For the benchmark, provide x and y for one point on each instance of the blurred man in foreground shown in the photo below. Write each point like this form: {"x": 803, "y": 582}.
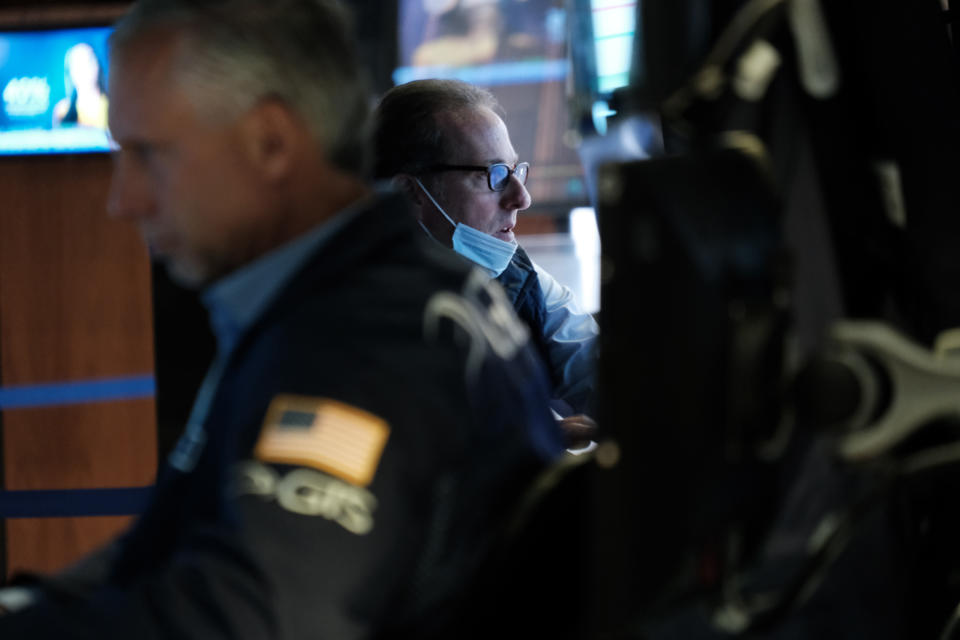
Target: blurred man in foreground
{"x": 444, "y": 144}
{"x": 373, "y": 410}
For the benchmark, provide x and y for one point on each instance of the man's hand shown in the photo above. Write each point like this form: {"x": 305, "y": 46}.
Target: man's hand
{"x": 578, "y": 430}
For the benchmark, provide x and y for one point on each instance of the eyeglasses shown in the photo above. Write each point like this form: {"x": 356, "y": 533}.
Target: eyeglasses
{"x": 498, "y": 175}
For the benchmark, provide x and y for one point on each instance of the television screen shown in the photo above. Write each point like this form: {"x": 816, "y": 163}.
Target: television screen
{"x": 490, "y": 41}
{"x": 54, "y": 91}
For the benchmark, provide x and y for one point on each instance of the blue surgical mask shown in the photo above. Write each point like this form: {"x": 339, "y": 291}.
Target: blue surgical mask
{"x": 493, "y": 254}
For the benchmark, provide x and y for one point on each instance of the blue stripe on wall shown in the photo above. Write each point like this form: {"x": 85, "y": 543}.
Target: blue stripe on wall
{"x": 73, "y": 502}
{"x": 79, "y": 392}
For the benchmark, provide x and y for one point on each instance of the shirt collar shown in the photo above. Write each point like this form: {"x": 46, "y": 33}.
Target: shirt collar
{"x": 236, "y": 301}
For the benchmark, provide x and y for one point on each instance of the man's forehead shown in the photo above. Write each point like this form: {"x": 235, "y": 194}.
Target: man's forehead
{"x": 477, "y": 130}
{"x": 468, "y": 117}
{"x": 141, "y": 79}
{"x": 148, "y": 55}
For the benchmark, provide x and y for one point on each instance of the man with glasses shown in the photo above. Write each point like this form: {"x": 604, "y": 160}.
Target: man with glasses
{"x": 445, "y": 146}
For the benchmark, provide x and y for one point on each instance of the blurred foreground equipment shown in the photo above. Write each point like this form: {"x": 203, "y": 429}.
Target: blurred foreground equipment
{"x": 784, "y": 430}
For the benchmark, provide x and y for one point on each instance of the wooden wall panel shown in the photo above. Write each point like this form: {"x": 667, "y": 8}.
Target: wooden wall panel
{"x": 37, "y": 13}
{"x": 75, "y": 295}
{"x": 49, "y": 544}
{"x": 74, "y": 306}
{"x": 105, "y": 444}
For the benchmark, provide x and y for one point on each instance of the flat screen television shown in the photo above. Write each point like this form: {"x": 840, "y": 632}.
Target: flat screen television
{"x": 53, "y": 91}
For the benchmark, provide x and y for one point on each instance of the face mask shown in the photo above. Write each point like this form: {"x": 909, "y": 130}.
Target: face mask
{"x": 493, "y": 254}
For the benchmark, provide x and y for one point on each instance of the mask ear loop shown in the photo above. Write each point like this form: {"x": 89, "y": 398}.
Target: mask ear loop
{"x": 435, "y": 203}
{"x": 427, "y": 231}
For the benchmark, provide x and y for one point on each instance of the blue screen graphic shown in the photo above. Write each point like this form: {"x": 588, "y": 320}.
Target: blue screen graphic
{"x": 53, "y": 91}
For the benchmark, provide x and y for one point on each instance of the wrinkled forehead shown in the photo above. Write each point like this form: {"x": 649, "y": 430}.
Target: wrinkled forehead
{"x": 475, "y": 135}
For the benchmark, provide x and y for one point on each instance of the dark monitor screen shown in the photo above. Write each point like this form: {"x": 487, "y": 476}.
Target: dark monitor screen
{"x": 53, "y": 86}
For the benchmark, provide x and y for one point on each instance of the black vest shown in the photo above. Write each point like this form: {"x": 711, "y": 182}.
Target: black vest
{"x": 519, "y": 281}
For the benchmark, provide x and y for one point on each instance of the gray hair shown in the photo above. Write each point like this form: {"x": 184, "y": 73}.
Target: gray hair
{"x": 233, "y": 53}
{"x": 407, "y": 138}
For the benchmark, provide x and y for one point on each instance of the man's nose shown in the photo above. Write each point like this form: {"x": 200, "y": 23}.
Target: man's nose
{"x": 515, "y": 195}
{"x": 128, "y": 198}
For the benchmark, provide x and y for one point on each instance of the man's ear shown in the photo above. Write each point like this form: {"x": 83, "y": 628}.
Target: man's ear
{"x": 273, "y": 136}
{"x": 407, "y": 184}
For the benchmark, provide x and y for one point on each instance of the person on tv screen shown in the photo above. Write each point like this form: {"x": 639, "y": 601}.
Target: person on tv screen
{"x": 459, "y": 32}
{"x": 374, "y": 411}
{"x": 445, "y": 146}
{"x": 467, "y": 32}
{"x": 86, "y": 103}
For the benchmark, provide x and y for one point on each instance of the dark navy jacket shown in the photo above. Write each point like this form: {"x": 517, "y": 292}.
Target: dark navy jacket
{"x": 383, "y": 321}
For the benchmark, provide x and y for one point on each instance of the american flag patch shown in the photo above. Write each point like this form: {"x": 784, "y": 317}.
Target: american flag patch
{"x": 325, "y": 434}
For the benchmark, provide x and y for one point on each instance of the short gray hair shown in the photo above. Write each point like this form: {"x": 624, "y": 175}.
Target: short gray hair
{"x": 234, "y": 53}
{"x": 407, "y": 137}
